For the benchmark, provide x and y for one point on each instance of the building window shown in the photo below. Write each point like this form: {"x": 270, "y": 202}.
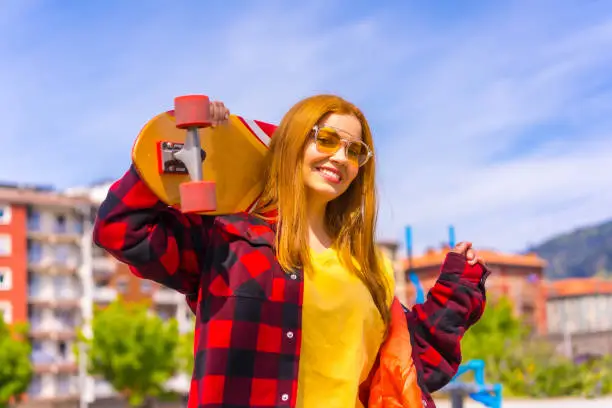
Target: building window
{"x": 63, "y": 350}
{"x": 62, "y": 254}
{"x": 35, "y": 251}
{"x": 5, "y": 214}
{"x": 5, "y": 245}
{"x": 39, "y": 356}
{"x": 60, "y": 224}
{"x": 35, "y": 317}
{"x": 36, "y": 386}
{"x": 164, "y": 313}
{"x": 33, "y": 220}
{"x": 59, "y": 286}
{"x": 6, "y": 310}
{"x": 78, "y": 225}
{"x": 63, "y": 384}
{"x": 6, "y": 278}
{"x": 146, "y": 286}
{"x": 122, "y": 285}
{"x": 67, "y": 320}
{"x": 37, "y": 346}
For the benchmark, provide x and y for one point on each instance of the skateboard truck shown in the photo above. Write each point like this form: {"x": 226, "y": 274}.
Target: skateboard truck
{"x": 170, "y": 164}
{"x": 192, "y": 112}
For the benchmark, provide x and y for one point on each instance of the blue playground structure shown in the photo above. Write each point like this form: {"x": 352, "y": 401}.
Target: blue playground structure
{"x": 489, "y": 395}
{"x": 414, "y": 279}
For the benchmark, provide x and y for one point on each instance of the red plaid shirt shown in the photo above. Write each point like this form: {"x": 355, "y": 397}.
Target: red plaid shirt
{"x": 248, "y": 310}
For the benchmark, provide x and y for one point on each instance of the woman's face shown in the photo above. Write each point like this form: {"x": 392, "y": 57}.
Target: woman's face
{"x": 327, "y": 170}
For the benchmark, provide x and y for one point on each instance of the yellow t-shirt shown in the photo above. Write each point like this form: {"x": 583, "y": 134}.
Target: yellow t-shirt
{"x": 341, "y": 334}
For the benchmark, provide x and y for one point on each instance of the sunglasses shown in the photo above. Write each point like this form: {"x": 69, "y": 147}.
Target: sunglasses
{"x": 328, "y": 141}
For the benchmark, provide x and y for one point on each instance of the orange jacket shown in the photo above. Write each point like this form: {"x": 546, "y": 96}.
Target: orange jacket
{"x": 422, "y": 351}
{"x": 393, "y": 383}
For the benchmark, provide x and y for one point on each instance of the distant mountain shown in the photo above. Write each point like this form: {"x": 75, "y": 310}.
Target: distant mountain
{"x": 584, "y": 252}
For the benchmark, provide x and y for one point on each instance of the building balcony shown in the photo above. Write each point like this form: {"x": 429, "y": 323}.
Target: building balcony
{"x": 41, "y": 358}
{"x": 104, "y": 295}
{"x": 70, "y": 237}
{"x": 166, "y": 296}
{"x": 48, "y": 299}
{"x": 36, "y": 389}
{"x": 103, "y": 389}
{"x": 51, "y": 236}
{"x": 54, "y": 234}
{"x": 53, "y": 329}
{"x": 55, "y": 367}
{"x": 66, "y": 304}
{"x": 67, "y": 293}
{"x": 63, "y": 267}
{"x": 103, "y": 265}
{"x": 65, "y": 365}
{"x": 179, "y": 383}
{"x": 39, "y": 327}
{"x": 36, "y": 233}
{"x": 41, "y": 297}
{"x": 38, "y": 263}
{"x": 45, "y": 360}
{"x": 53, "y": 336}
{"x": 49, "y": 266}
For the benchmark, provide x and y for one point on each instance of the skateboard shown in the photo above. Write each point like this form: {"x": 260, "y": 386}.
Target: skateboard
{"x": 197, "y": 168}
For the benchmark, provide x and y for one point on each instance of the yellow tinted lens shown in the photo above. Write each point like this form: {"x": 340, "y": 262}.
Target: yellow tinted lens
{"x": 357, "y": 152}
{"x": 328, "y": 141}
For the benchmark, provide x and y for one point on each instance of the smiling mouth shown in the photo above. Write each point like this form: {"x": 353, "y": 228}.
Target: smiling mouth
{"x": 331, "y": 175}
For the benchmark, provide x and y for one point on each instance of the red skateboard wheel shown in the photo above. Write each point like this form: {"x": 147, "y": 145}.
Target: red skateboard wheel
{"x": 192, "y": 111}
{"x": 198, "y": 196}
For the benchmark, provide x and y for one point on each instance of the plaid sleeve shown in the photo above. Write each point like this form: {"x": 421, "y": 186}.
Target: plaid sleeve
{"x": 158, "y": 242}
{"x": 453, "y": 305}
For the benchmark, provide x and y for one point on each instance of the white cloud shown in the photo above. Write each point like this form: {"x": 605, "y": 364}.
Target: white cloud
{"x": 455, "y": 110}
{"x": 511, "y": 204}
{"x": 464, "y": 151}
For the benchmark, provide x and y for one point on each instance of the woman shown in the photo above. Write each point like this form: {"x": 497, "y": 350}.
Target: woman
{"x": 294, "y": 304}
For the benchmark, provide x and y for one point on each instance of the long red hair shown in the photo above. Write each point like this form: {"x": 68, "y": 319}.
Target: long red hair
{"x": 350, "y": 218}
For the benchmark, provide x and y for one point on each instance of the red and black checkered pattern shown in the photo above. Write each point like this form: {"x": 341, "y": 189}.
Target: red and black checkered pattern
{"x": 248, "y": 326}
{"x": 453, "y": 305}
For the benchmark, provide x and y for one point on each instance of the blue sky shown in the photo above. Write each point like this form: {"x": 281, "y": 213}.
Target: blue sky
{"x": 495, "y": 117}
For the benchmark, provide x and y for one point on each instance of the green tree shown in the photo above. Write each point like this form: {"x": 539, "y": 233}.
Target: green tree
{"x": 134, "y": 350}
{"x": 16, "y": 370}
{"x": 492, "y": 338}
{"x": 498, "y": 339}
{"x": 526, "y": 365}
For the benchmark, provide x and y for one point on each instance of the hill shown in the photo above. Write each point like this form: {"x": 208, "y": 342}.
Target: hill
{"x": 584, "y": 252}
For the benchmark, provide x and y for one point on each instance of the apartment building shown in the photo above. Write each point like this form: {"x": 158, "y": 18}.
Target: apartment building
{"x": 518, "y": 277}
{"x": 52, "y": 276}
{"x": 42, "y": 279}
{"x": 579, "y": 315}
{"x": 389, "y": 249}
{"x": 112, "y": 279}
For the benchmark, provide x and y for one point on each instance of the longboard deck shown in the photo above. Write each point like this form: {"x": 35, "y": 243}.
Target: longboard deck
{"x": 235, "y": 160}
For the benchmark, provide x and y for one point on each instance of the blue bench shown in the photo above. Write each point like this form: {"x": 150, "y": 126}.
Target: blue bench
{"x": 489, "y": 395}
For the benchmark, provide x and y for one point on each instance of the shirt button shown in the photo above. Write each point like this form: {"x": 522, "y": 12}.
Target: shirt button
{"x": 293, "y": 276}
{"x": 285, "y": 397}
{"x": 290, "y": 335}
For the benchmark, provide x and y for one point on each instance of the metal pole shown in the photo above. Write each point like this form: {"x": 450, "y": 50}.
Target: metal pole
{"x": 451, "y": 236}
{"x": 456, "y": 399}
{"x": 420, "y": 295}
